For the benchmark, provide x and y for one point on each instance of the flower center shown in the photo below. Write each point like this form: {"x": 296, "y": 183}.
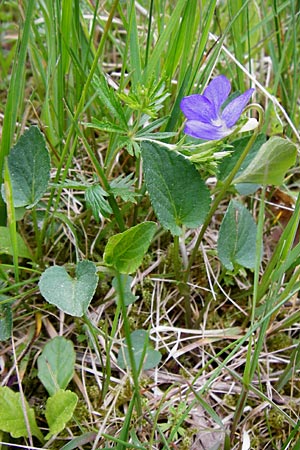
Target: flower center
{"x": 219, "y": 123}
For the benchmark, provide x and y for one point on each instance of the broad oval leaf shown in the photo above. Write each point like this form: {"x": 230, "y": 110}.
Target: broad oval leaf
{"x": 59, "y": 410}
{"x": 29, "y": 168}
{"x": 12, "y": 418}
{"x": 141, "y": 349}
{"x": 71, "y": 295}
{"x": 270, "y": 164}
{"x": 6, "y": 245}
{"x": 125, "y": 251}
{"x": 178, "y": 194}
{"x": 237, "y": 237}
{"x": 56, "y": 364}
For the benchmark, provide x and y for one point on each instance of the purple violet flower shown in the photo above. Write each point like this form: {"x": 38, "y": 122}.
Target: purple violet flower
{"x": 205, "y": 117}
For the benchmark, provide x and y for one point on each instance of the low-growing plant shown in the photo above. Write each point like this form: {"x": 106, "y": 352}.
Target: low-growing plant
{"x": 108, "y": 182}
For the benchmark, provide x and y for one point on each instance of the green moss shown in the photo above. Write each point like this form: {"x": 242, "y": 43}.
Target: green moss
{"x": 278, "y": 342}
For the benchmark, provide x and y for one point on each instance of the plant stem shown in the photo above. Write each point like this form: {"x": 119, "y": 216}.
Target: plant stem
{"x": 217, "y": 201}
{"x": 183, "y": 287}
{"x": 252, "y": 359}
{"x": 134, "y": 369}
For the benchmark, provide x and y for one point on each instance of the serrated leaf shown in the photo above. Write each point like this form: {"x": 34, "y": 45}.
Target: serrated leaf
{"x": 106, "y": 126}
{"x": 6, "y": 245}
{"x": 95, "y": 199}
{"x": 29, "y": 168}
{"x": 125, "y": 251}
{"x": 126, "y": 281}
{"x": 5, "y": 318}
{"x": 109, "y": 99}
{"x": 124, "y": 188}
{"x": 270, "y": 164}
{"x": 71, "y": 295}
{"x": 237, "y": 237}
{"x": 152, "y": 126}
{"x": 59, "y": 410}
{"x": 178, "y": 194}
{"x": 56, "y": 364}
{"x": 12, "y": 418}
{"x": 141, "y": 347}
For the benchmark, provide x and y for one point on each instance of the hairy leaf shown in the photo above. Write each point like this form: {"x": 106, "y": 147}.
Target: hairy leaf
{"x": 29, "y": 168}
{"x": 95, "y": 199}
{"x": 178, "y": 194}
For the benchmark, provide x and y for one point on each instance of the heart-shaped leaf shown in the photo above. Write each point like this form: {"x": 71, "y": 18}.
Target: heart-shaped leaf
{"x": 125, "y": 251}
{"x": 59, "y": 410}
{"x": 71, "y": 295}
{"x": 29, "y": 168}
{"x": 56, "y": 364}
{"x": 141, "y": 349}
{"x": 237, "y": 237}
{"x": 178, "y": 194}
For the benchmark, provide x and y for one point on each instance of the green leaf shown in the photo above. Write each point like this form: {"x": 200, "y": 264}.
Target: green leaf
{"x": 29, "y": 168}
{"x": 59, "y": 410}
{"x": 12, "y": 415}
{"x": 124, "y": 188}
{"x": 71, "y": 295}
{"x": 238, "y": 146}
{"x": 141, "y": 349}
{"x": 56, "y": 364}
{"x": 95, "y": 199}
{"x": 5, "y": 318}
{"x": 126, "y": 281}
{"x": 178, "y": 194}
{"x": 107, "y": 126}
{"x": 237, "y": 237}
{"x": 6, "y": 245}
{"x": 79, "y": 441}
{"x": 271, "y": 163}
{"x": 125, "y": 251}
{"x": 109, "y": 99}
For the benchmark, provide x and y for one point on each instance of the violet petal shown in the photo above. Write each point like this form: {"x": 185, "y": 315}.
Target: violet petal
{"x": 234, "y": 109}
{"x": 197, "y": 107}
{"x": 205, "y": 131}
{"x": 217, "y": 92}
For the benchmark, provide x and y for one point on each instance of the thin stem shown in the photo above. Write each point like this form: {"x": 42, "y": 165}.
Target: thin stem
{"x": 183, "y": 288}
{"x": 134, "y": 369}
{"x": 222, "y": 193}
{"x": 251, "y": 360}
{"x": 93, "y": 335}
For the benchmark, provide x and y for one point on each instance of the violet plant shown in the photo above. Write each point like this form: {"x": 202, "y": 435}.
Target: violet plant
{"x": 207, "y": 115}
{"x": 180, "y": 197}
